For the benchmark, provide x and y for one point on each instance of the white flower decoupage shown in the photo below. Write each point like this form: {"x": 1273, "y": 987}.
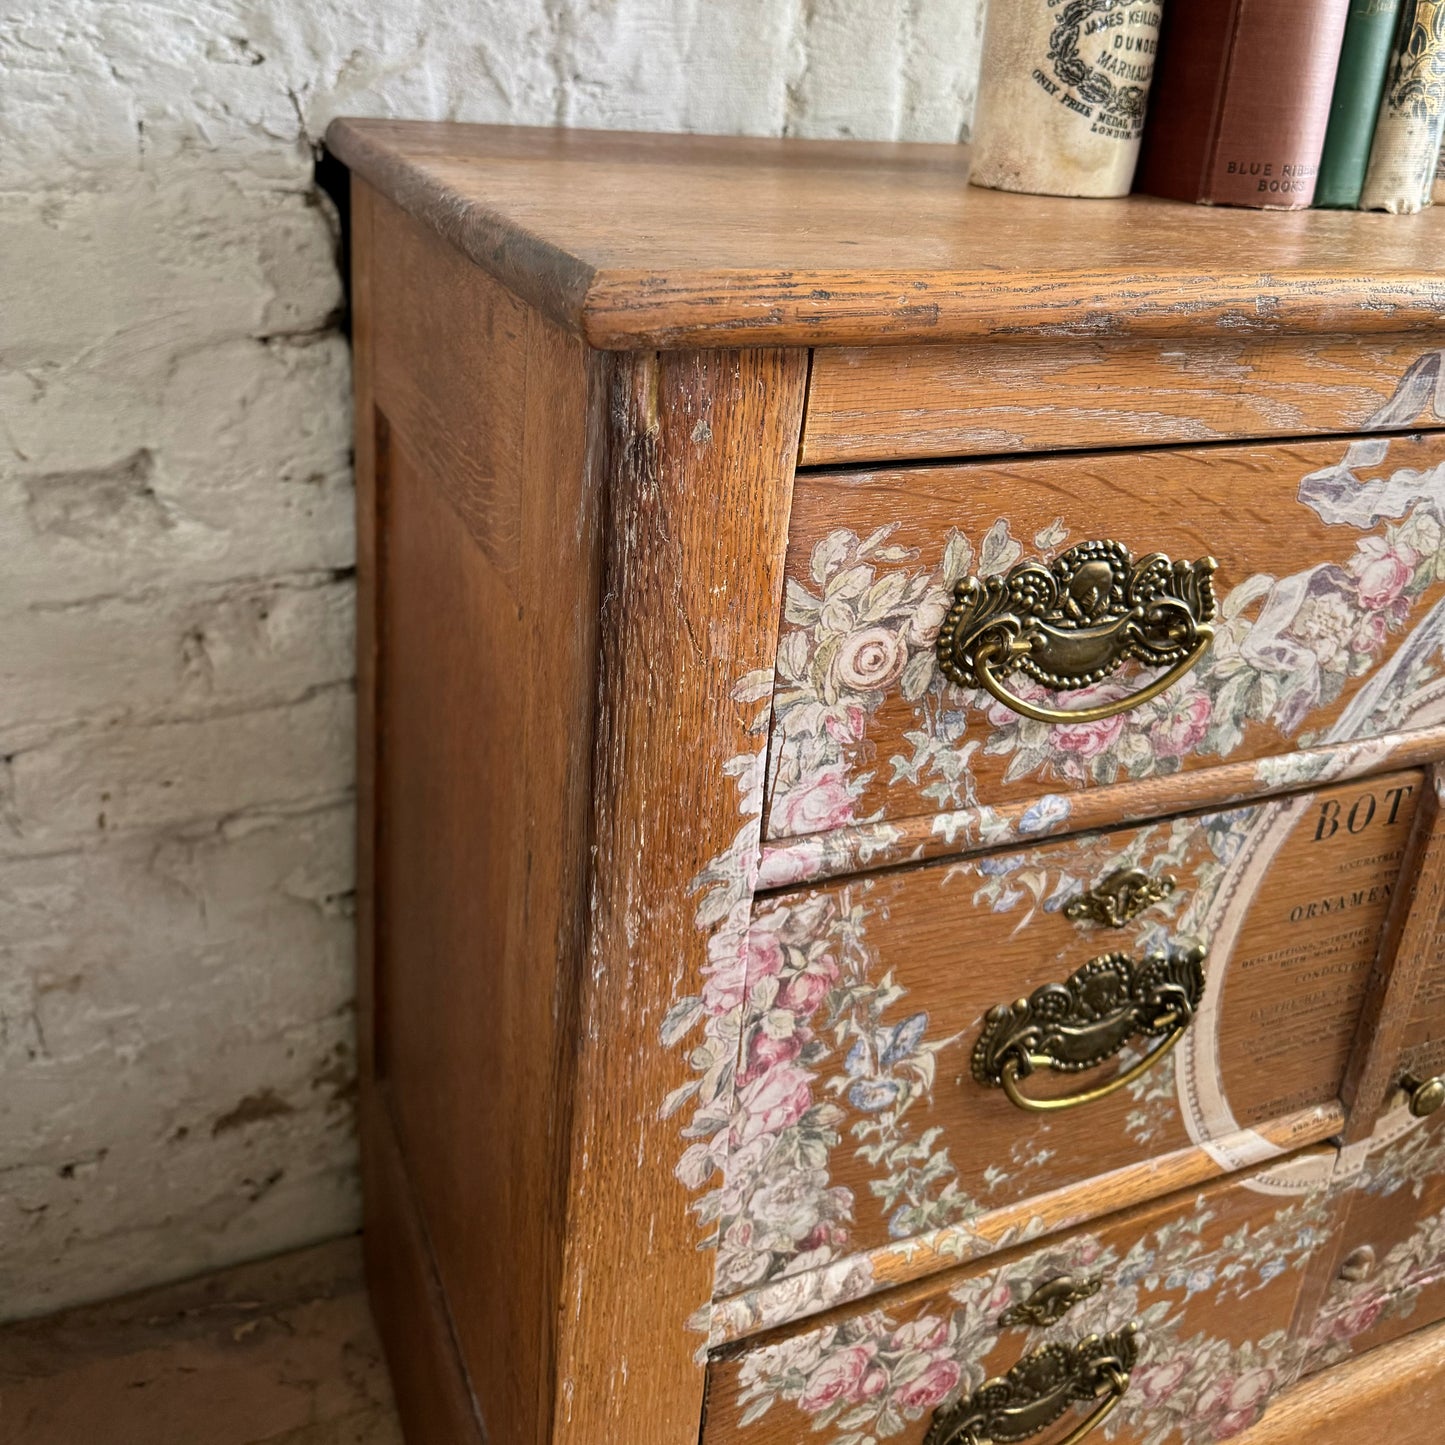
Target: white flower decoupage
{"x": 760, "y": 1105}
{"x": 1285, "y": 648}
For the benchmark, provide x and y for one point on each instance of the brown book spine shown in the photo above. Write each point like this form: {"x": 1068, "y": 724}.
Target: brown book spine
{"x": 1241, "y": 101}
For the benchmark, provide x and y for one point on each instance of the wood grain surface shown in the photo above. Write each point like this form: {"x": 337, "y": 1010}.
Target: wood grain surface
{"x": 1395, "y": 1394}
{"x": 700, "y": 466}
{"x": 867, "y": 847}
{"x": 950, "y": 1331}
{"x": 998, "y": 1229}
{"x": 480, "y": 595}
{"x": 845, "y": 727}
{"x": 1394, "y": 996}
{"x": 637, "y": 241}
{"x": 891, "y": 403}
{"x": 1386, "y": 1272}
{"x": 413, "y": 1319}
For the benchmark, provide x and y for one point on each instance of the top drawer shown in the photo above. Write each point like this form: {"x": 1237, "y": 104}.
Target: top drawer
{"x": 1325, "y": 607}
{"x": 892, "y": 403}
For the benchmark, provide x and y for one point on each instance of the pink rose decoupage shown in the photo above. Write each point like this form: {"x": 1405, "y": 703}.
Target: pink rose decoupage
{"x": 761, "y": 1118}
{"x": 866, "y": 729}
{"x": 1210, "y": 1285}
{"x": 835, "y": 1144}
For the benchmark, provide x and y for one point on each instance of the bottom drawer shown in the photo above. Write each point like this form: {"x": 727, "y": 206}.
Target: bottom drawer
{"x": 1390, "y": 1261}
{"x": 1389, "y": 1273}
{"x": 1182, "y": 1309}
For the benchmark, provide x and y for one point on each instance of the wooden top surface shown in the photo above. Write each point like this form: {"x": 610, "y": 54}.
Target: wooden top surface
{"x": 637, "y": 240}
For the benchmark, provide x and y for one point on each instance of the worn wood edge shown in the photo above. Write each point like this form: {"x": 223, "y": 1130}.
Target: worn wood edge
{"x": 634, "y": 308}
{"x": 629, "y": 308}
{"x": 891, "y": 1265}
{"x": 816, "y": 857}
{"x": 1394, "y": 1393}
{"x": 667, "y": 506}
{"x": 407, "y": 1302}
{"x": 548, "y": 277}
{"x": 1407, "y": 950}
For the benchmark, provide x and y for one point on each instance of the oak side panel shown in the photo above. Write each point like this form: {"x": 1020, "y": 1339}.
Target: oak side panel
{"x": 702, "y": 448}
{"x": 893, "y": 402}
{"x": 407, "y": 1304}
{"x": 433, "y": 1397}
{"x": 487, "y": 587}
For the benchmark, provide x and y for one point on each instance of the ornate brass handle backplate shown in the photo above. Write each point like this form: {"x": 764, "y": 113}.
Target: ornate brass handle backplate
{"x": 1039, "y": 1389}
{"x": 1075, "y": 622}
{"x": 1120, "y": 897}
{"x": 1077, "y": 1025}
{"x": 1050, "y": 1302}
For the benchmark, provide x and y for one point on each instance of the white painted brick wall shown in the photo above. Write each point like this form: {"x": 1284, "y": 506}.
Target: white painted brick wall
{"x": 175, "y": 600}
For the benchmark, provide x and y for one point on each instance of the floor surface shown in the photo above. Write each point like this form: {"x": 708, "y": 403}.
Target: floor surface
{"x": 284, "y": 1353}
{"x": 277, "y": 1353}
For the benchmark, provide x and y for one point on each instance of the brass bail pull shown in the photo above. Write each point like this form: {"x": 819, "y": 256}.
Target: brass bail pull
{"x": 1016, "y": 1096}
{"x": 1118, "y": 1385}
{"x": 983, "y": 667}
{"x": 1089, "y": 1019}
{"x": 1040, "y": 1389}
{"x": 1076, "y": 621}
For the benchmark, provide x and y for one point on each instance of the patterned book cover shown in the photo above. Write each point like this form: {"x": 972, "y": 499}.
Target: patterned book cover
{"x": 1407, "y": 135}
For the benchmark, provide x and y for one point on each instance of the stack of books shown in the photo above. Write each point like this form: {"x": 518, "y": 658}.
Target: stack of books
{"x": 1278, "y": 104}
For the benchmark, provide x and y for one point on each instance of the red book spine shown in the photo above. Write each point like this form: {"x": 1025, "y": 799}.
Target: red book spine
{"x": 1241, "y": 101}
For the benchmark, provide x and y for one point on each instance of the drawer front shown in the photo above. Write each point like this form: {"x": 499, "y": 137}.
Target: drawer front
{"x": 1326, "y": 624}
{"x": 893, "y": 403}
{"x": 1196, "y": 1293}
{"x": 864, "y": 1113}
{"x": 1389, "y": 1275}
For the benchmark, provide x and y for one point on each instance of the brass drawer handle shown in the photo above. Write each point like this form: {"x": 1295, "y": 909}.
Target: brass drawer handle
{"x": 1039, "y": 1389}
{"x": 1069, "y": 1027}
{"x": 1075, "y": 622}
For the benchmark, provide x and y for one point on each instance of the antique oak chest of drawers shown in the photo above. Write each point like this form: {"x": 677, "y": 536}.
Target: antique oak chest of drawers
{"x": 903, "y": 801}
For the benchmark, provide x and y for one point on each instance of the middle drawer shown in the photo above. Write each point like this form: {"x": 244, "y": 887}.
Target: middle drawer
{"x": 904, "y": 1034}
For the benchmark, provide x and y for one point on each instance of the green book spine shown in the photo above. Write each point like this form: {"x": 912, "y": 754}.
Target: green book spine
{"x": 1359, "y": 84}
